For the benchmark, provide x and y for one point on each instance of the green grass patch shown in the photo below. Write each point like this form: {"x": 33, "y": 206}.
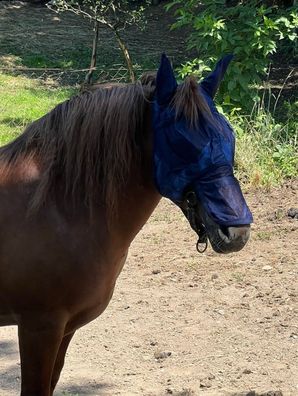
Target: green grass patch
{"x": 266, "y": 149}
{"x": 264, "y": 235}
{"x": 23, "y": 100}
{"x": 76, "y": 58}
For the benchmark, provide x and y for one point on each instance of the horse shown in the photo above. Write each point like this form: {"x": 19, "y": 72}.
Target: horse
{"x": 78, "y": 185}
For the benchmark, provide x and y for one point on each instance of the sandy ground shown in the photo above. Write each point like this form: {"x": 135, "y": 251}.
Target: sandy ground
{"x": 181, "y": 323}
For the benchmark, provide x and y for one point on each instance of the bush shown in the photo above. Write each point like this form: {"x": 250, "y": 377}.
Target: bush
{"x": 251, "y": 31}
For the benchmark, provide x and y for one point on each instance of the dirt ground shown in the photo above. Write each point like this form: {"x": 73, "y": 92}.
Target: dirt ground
{"x": 182, "y": 323}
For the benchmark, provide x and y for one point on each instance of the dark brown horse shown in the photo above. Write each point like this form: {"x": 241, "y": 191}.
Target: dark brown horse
{"x": 75, "y": 189}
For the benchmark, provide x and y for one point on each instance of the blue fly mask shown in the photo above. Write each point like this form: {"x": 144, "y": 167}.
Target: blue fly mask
{"x": 198, "y": 158}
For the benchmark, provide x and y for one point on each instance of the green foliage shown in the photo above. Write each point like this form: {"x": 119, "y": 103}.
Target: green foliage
{"x": 196, "y": 67}
{"x": 250, "y": 30}
{"x": 266, "y": 150}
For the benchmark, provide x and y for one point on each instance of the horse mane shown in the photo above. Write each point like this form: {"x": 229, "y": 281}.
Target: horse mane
{"x": 189, "y": 102}
{"x": 86, "y": 146}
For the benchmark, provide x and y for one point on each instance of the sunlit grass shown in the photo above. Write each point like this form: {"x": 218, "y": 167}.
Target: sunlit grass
{"x": 23, "y": 100}
{"x": 266, "y": 150}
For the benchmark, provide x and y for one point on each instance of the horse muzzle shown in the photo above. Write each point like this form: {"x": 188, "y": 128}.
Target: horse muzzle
{"x": 229, "y": 239}
{"x": 223, "y": 239}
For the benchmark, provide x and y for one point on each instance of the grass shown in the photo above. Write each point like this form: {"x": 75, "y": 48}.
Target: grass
{"x": 264, "y": 235}
{"x": 23, "y": 100}
{"x": 266, "y": 150}
{"x": 75, "y": 58}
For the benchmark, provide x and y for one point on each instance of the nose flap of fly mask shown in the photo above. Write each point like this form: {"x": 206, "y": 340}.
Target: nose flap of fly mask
{"x": 222, "y": 198}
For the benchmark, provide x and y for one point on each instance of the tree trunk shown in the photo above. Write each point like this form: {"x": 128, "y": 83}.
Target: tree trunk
{"x": 89, "y": 75}
{"x": 126, "y": 54}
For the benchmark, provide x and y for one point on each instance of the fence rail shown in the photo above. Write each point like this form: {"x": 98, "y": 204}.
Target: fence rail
{"x": 116, "y": 73}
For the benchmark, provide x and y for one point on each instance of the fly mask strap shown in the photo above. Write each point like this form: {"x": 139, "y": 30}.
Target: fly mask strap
{"x": 190, "y": 203}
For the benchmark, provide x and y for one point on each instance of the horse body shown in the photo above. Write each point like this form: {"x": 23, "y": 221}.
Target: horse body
{"x": 58, "y": 271}
{"x": 44, "y": 252}
{"x": 75, "y": 189}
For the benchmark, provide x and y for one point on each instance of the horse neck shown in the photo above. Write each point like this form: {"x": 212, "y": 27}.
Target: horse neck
{"x": 141, "y": 196}
{"x": 134, "y": 211}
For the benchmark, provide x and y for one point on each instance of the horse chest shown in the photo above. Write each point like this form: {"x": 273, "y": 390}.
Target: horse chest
{"x": 93, "y": 298}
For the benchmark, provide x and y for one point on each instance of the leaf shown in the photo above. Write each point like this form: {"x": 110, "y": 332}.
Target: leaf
{"x": 231, "y": 85}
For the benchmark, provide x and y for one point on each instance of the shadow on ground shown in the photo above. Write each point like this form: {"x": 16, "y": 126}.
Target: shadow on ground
{"x": 10, "y": 379}
{"x": 29, "y": 44}
{"x": 10, "y": 375}
{"x": 85, "y": 388}
{"x": 8, "y": 348}
{"x": 254, "y": 393}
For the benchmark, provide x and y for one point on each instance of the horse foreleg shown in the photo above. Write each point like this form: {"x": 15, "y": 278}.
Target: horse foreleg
{"x": 59, "y": 363}
{"x": 39, "y": 344}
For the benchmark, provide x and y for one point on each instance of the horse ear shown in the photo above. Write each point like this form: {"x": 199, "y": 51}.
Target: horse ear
{"x": 166, "y": 83}
{"x": 212, "y": 82}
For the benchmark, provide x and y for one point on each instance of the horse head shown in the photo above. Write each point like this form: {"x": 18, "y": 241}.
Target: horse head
{"x": 194, "y": 147}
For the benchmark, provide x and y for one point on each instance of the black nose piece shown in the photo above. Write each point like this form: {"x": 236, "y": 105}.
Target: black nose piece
{"x": 234, "y": 238}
